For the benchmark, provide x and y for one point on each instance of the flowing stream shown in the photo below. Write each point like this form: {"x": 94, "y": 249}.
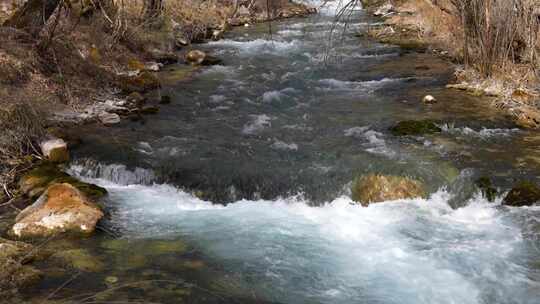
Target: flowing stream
{"x": 238, "y": 191}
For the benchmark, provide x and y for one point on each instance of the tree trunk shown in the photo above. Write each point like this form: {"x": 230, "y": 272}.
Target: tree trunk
{"x": 33, "y": 15}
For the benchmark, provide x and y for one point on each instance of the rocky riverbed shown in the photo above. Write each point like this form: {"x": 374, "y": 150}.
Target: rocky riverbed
{"x": 291, "y": 171}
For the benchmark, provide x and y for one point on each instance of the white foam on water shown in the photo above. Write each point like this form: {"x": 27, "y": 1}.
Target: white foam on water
{"x": 344, "y": 85}
{"x": 114, "y": 173}
{"x": 288, "y": 76}
{"x": 373, "y": 141}
{"x": 257, "y": 123}
{"x": 356, "y": 131}
{"x": 144, "y": 148}
{"x": 258, "y": 46}
{"x": 221, "y": 108}
{"x": 373, "y": 56}
{"x": 406, "y": 251}
{"x": 219, "y": 69}
{"x": 484, "y": 133}
{"x": 281, "y": 145}
{"x": 271, "y": 96}
{"x": 217, "y": 98}
{"x": 277, "y": 95}
{"x": 298, "y": 127}
{"x": 288, "y": 33}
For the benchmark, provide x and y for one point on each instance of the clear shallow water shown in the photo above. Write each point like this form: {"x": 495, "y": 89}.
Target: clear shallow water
{"x": 278, "y": 132}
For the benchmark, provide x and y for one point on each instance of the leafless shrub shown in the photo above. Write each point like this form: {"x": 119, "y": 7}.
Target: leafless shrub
{"x": 22, "y": 126}
{"x": 497, "y": 32}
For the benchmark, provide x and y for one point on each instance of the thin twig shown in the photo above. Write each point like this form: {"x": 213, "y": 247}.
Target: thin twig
{"x": 67, "y": 282}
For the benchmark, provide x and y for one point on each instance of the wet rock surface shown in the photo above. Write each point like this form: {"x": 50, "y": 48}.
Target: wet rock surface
{"x": 379, "y": 188}
{"x": 35, "y": 182}
{"x": 524, "y": 193}
{"x": 486, "y": 187}
{"x": 415, "y": 128}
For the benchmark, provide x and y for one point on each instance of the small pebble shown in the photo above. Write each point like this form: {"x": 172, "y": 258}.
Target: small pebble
{"x": 111, "y": 279}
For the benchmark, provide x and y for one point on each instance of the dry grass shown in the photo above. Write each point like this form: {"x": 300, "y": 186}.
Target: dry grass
{"x": 498, "y": 39}
{"x": 22, "y": 127}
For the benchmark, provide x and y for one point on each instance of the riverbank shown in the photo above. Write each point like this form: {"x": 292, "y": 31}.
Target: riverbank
{"x": 435, "y": 26}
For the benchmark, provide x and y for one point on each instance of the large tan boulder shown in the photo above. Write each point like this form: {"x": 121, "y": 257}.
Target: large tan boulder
{"x": 380, "y": 188}
{"x": 61, "y": 209}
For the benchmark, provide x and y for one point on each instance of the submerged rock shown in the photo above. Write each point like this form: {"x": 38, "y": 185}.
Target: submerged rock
{"x": 55, "y": 150}
{"x": 80, "y": 259}
{"x": 15, "y": 250}
{"x": 165, "y": 99}
{"x": 415, "y": 128}
{"x": 62, "y": 208}
{"x": 111, "y": 280}
{"x": 379, "y": 188}
{"x": 14, "y": 272}
{"x": 149, "y": 110}
{"x": 14, "y": 275}
{"x": 178, "y": 74}
{"x": 488, "y": 191}
{"x": 523, "y": 193}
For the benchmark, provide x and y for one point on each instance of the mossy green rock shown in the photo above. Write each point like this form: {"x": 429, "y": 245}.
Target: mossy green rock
{"x": 523, "y": 193}
{"x": 15, "y": 250}
{"x": 376, "y": 188}
{"x": 143, "y": 82}
{"x": 149, "y": 110}
{"x": 415, "y": 128}
{"x": 14, "y": 273}
{"x": 177, "y": 75}
{"x": 488, "y": 191}
{"x": 39, "y": 178}
{"x": 80, "y": 259}
{"x": 34, "y": 183}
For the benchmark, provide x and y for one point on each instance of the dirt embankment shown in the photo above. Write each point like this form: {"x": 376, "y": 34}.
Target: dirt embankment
{"x": 512, "y": 77}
